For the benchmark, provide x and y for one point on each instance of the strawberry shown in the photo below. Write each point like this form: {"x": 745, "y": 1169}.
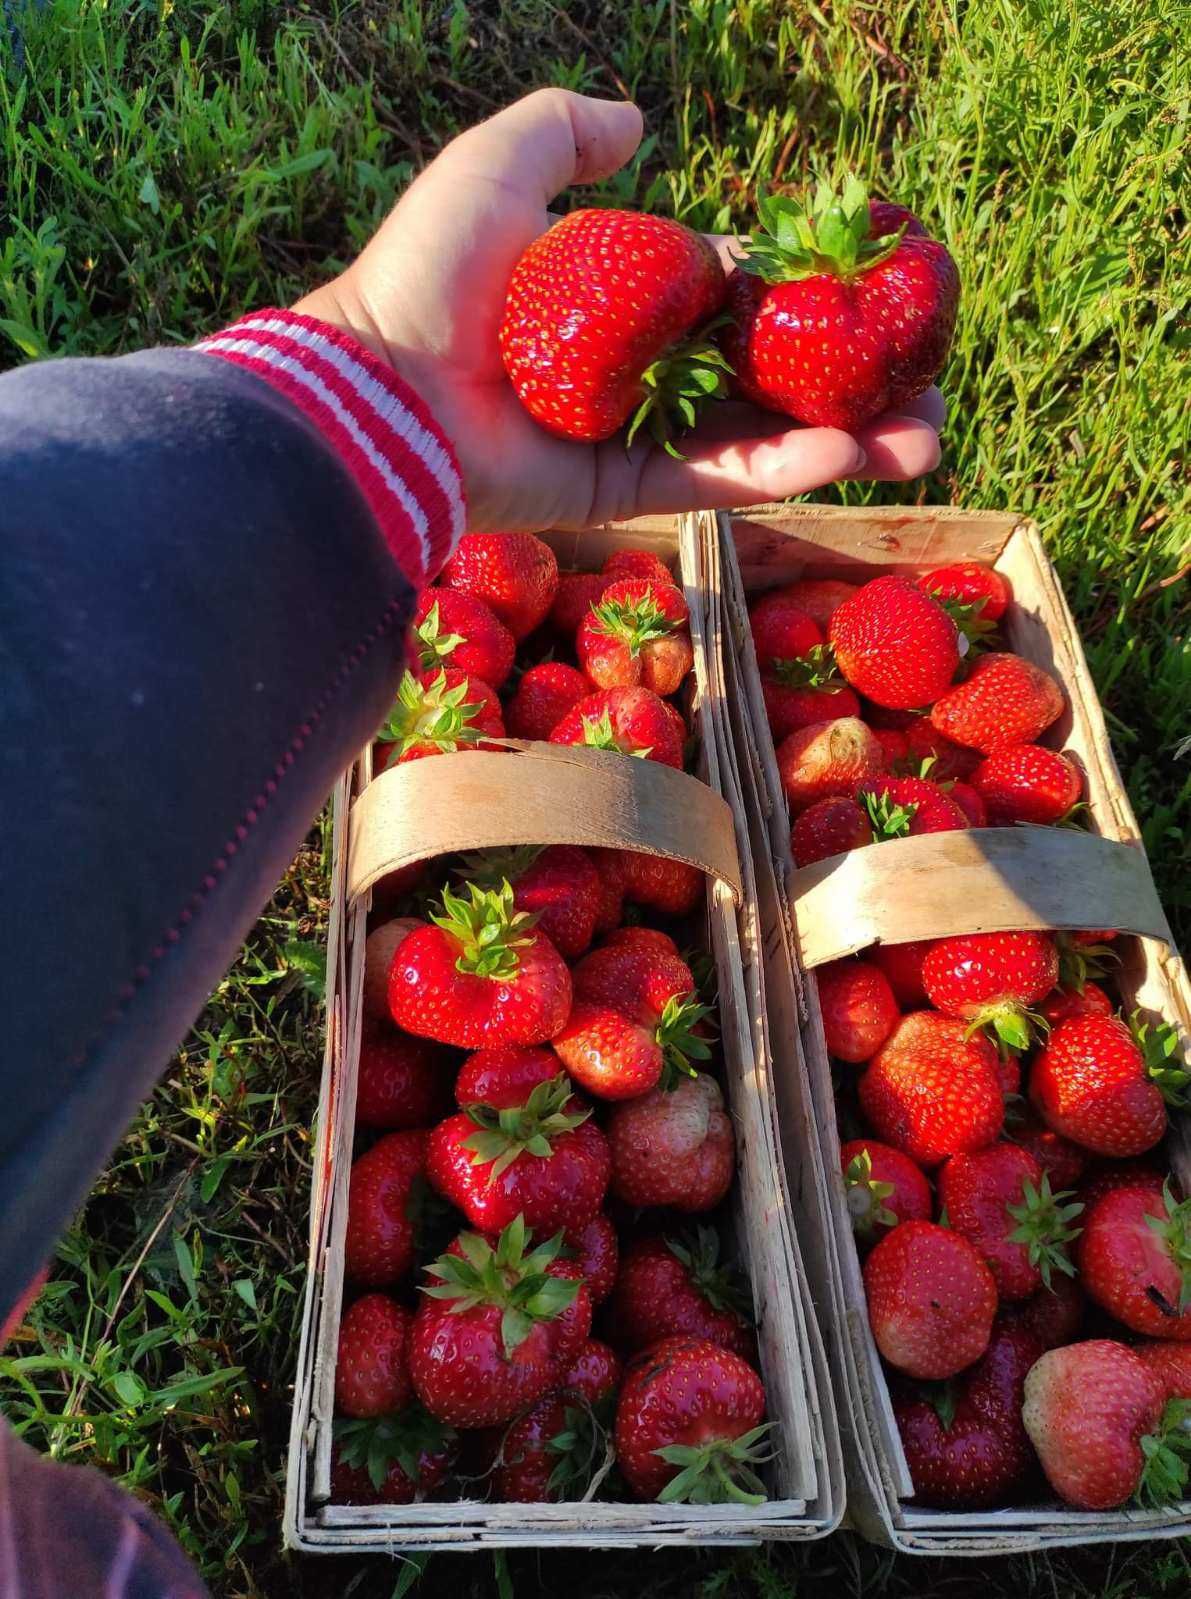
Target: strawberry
{"x": 931, "y": 1300}
{"x": 1111, "y": 1175}
{"x": 488, "y": 1337}
{"x": 1171, "y": 1364}
{"x": 558, "y": 885}
{"x": 608, "y": 1053}
{"x": 371, "y": 1376}
{"x": 829, "y": 827}
{"x": 481, "y": 975}
{"x": 390, "y": 1460}
{"x": 785, "y": 636}
{"x": 907, "y": 807}
{"x": 970, "y": 803}
{"x": 542, "y": 698}
{"x": 840, "y": 310}
{"x": 596, "y": 1253}
{"x": 688, "y": 1423}
{"x": 672, "y": 888}
{"x": 1065, "y": 1003}
{"x": 379, "y": 950}
{"x": 642, "y": 938}
{"x": 1096, "y": 1086}
{"x": 882, "y": 716}
{"x": 610, "y": 866}
{"x": 383, "y": 1201}
{"x": 673, "y": 1147}
{"x": 437, "y": 713}
{"x": 636, "y": 635}
{"x": 791, "y": 706}
{"x": 534, "y": 1154}
{"x": 902, "y": 965}
{"x": 639, "y": 975}
{"x": 1084, "y": 955}
{"x": 577, "y": 592}
{"x": 1028, "y": 783}
{"x": 1004, "y": 700}
{"x": 1053, "y": 1315}
{"x": 819, "y": 597}
{"x": 949, "y": 762}
{"x": 858, "y": 1008}
{"x": 827, "y": 758}
{"x": 894, "y": 644}
{"x": 555, "y": 1449}
{"x": 452, "y": 628}
{"x": 1135, "y": 1261}
{"x": 893, "y": 741}
{"x": 1061, "y": 1160}
{"x": 635, "y": 721}
{"x": 593, "y": 1372}
{"x": 515, "y": 574}
{"x": 401, "y": 1081}
{"x": 637, "y": 563}
{"x": 882, "y": 1188}
{"x": 971, "y": 587}
{"x": 1001, "y": 1201}
{"x": 931, "y": 1091}
{"x": 595, "y": 316}
{"x": 1009, "y": 1072}
{"x": 1091, "y": 1411}
{"x": 676, "y": 1284}
{"x": 965, "y": 1445}
{"x": 992, "y": 981}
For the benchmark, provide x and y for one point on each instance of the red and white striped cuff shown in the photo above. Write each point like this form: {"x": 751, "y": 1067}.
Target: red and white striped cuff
{"x": 399, "y": 457}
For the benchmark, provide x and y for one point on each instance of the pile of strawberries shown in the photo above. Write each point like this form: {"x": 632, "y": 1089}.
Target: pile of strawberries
{"x": 1027, "y": 1251}
{"x": 538, "y": 1118}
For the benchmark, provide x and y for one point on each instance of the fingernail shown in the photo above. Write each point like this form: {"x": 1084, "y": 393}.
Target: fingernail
{"x": 861, "y": 459}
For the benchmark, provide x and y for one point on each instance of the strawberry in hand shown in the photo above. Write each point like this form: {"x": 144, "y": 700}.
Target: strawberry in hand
{"x": 636, "y": 635}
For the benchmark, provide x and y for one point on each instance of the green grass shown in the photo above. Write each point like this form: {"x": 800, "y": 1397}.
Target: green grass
{"x": 164, "y": 169}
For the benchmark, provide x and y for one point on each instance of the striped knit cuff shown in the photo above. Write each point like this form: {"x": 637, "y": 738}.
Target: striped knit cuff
{"x": 400, "y": 458}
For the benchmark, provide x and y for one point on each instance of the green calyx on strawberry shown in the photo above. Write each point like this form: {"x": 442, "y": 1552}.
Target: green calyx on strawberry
{"x": 1012, "y": 1026}
{"x": 1044, "y": 1226}
{"x": 678, "y": 385}
{"x": 635, "y": 622}
{"x": 432, "y": 713}
{"x": 699, "y": 1252}
{"x": 487, "y": 927}
{"x": 1167, "y": 1455}
{"x": 968, "y": 618}
{"x": 1174, "y": 1229}
{"x": 865, "y": 1195}
{"x": 433, "y": 645}
{"x": 508, "y": 1276}
{"x": 831, "y": 238}
{"x": 679, "y": 1041}
{"x": 890, "y": 819}
{"x": 1078, "y": 962}
{"x": 490, "y": 868}
{"x": 815, "y": 669}
{"x": 1159, "y": 1043}
{"x": 405, "y": 1438}
{"x": 502, "y": 1135}
{"x": 584, "y": 1452}
{"x": 598, "y": 734}
{"x": 721, "y": 1471}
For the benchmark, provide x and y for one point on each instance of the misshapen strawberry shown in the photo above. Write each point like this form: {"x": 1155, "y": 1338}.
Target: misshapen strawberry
{"x": 400, "y": 1081}
{"x": 1135, "y": 1261}
{"x": 543, "y": 697}
{"x": 829, "y": 827}
{"x": 882, "y": 1187}
{"x": 992, "y": 980}
{"x": 371, "y": 1373}
{"x": 632, "y": 721}
{"x": 1000, "y": 1200}
{"x": 1004, "y": 700}
{"x": 840, "y": 310}
{"x": 931, "y": 1092}
{"x": 480, "y": 976}
{"x": 595, "y": 316}
{"x": 438, "y": 713}
{"x": 452, "y": 628}
{"x": 1096, "y": 1086}
{"x": 1028, "y": 783}
{"x": 894, "y": 644}
{"x": 636, "y": 635}
{"x": 515, "y": 574}
{"x": 382, "y": 1209}
{"x": 977, "y": 589}
{"x": 931, "y": 1300}
{"x": 827, "y": 758}
{"x": 858, "y": 1008}
{"x": 678, "y": 1284}
{"x": 673, "y": 1147}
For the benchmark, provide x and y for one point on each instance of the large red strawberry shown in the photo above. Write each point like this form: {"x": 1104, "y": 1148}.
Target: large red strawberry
{"x": 992, "y": 980}
{"x": 1096, "y": 1086}
{"x": 829, "y": 827}
{"x": 577, "y": 592}
{"x": 371, "y": 1374}
{"x": 882, "y": 1188}
{"x": 673, "y": 1147}
{"x": 637, "y": 563}
{"x": 383, "y": 1202}
{"x": 907, "y": 807}
{"x": 634, "y": 721}
{"x": 670, "y": 887}
{"x": 902, "y": 965}
{"x": 481, "y": 975}
{"x": 932, "y": 1092}
{"x": 1064, "y": 1003}
{"x": 1135, "y": 1261}
{"x": 1003, "y": 700}
{"x": 819, "y": 597}
{"x": 401, "y": 1081}
{"x": 827, "y": 758}
{"x": 1028, "y": 783}
{"x": 390, "y": 1460}
{"x": 543, "y": 697}
{"x": 636, "y": 634}
{"x": 379, "y": 949}
{"x": 978, "y": 590}
{"x": 965, "y": 1445}
{"x": 491, "y": 1332}
{"x": 931, "y": 1300}
{"x": 595, "y": 319}
{"x": 677, "y": 1284}
{"x": 558, "y": 885}
{"x": 521, "y": 1151}
{"x": 1001, "y": 1201}
{"x": 688, "y": 1424}
{"x": 1053, "y": 1315}
{"x": 515, "y": 574}
{"x": 452, "y": 628}
{"x": 436, "y": 713}
{"x": 840, "y": 310}
{"x": 858, "y": 1008}
{"x": 894, "y": 644}
{"x": 1061, "y": 1160}
{"x": 596, "y": 1252}
{"x": 1094, "y": 1414}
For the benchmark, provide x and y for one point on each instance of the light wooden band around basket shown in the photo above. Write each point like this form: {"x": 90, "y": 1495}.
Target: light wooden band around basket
{"x": 980, "y": 880}
{"x": 538, "y": 794}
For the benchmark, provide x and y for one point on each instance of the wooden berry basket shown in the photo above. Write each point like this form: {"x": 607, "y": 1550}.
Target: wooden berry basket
{"x": 548, "y": 794}
{"x": 930, "y": 887}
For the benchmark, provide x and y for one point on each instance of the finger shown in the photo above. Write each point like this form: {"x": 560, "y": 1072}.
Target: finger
{"x": 548, "y": 140}
{"x": 728, "y": 246}
{"x": 748, "y": 471}
{"x": 898, "y": 448}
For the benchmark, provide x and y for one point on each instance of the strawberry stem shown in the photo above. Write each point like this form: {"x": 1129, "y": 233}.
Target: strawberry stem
{"x": 1174, "y": 1229}
{"x": 699, "y": 1252}
{"x": 679, "y": 384}
{"x": 634, "y": 622}
{"x": 432, "y": 713}
{"x": 865, "y": 1197}
{"x": 720, "y": 1471}
{"x": 503, "y": 1135}
{"x": 1044, "y": 1227}
{"x": 379, "y": 1441}
{"x": 507, "y": 1276}
{"x": 815, "y": 669}
{"x": 434, "y": 646}
{"x": 598, "y": 734}
{"x": 1167, "y": 1454}
{"x": 1159, "y": 1045}
{"x": 830, "y": 237}
{"x": 488, "y": 929}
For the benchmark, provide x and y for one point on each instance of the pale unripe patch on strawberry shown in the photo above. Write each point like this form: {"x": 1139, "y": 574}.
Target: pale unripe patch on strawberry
{"x": 379, "y": 949}
{"x": 827, "y": 758}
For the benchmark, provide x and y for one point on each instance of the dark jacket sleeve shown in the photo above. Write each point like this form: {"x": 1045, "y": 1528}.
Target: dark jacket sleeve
{"x": 200, "y": 624}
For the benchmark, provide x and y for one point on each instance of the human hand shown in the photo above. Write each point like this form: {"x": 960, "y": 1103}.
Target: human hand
{"x": 427, "y": 295}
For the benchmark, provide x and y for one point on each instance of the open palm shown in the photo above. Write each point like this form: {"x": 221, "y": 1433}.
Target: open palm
{"x": 427, "y": 295}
